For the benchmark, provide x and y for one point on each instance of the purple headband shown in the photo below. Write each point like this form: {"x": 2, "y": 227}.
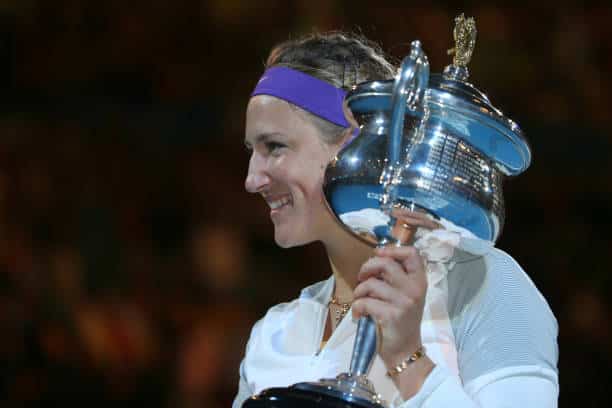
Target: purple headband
{"x": 314, "y": 95}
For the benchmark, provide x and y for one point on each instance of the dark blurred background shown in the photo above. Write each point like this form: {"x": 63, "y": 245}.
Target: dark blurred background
{"x": 132, "y": 262}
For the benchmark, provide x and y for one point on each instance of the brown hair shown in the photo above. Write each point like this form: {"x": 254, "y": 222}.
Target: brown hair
{"x": 341, "y": 59}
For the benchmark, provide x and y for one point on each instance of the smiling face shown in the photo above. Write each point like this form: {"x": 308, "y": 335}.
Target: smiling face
{"x": 286, "y": 167}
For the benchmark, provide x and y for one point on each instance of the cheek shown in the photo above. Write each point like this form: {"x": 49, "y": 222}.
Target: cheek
{"x": 306, "y": 185}
{"x": 316, "y": 198}
{"x": 308, "y": 172}
{"x": 314, "y": 173}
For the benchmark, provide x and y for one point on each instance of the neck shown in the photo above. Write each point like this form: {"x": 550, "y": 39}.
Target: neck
{"x": 346, "y": 255}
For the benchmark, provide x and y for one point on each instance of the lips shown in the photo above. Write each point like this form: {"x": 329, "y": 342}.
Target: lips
{"x": 278, "y": 202}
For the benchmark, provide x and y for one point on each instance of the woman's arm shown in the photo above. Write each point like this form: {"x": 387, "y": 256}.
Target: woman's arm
{"x": 522, "y": 387}
{"x": 392, "y": 287}
{"x": 502, "y": 325}
{"x": 506, "y": 339}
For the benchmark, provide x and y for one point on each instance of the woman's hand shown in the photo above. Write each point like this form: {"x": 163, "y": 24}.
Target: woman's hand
{"x": 392, "y": 290}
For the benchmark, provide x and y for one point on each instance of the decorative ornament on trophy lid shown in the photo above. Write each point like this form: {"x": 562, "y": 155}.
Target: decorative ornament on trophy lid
{"x": 464, "y": 34}
{"x": 429, "y": 143}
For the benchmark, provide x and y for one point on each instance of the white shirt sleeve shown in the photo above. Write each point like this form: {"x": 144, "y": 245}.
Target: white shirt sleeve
{"x": 506, "y": 339}
{"x": 244, "y": 391}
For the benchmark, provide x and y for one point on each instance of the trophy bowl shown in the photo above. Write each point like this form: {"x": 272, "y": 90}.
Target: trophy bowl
{"x": 455, "y": 150}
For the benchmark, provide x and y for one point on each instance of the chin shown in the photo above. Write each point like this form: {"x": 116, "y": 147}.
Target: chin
{"x": 288, "y": 240}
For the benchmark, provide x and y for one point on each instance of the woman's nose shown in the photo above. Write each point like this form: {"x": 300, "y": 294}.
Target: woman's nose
{"x": 256, "y": 179}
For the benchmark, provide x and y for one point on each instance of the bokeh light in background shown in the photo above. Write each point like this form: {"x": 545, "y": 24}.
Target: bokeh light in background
{"x": 133, "y": 264}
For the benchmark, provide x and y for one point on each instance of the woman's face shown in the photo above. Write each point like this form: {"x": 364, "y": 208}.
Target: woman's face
{"x": 286, "y": 167}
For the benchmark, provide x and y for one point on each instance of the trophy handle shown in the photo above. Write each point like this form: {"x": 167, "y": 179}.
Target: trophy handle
{"x": 408, "y": 90}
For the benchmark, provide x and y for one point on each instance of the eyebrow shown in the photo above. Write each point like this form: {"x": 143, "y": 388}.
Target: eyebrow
{"x": 262, "y": 138}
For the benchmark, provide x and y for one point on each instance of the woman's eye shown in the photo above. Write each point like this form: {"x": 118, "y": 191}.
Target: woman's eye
{"x": 274, "y": 146}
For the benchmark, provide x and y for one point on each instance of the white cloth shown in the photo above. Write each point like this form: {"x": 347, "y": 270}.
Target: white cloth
{"x": 502, "y": 335}
{"x": 438, "y": 248}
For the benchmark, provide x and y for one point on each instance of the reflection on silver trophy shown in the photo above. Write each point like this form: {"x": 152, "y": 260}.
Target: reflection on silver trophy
{"x": 433, "y": 143}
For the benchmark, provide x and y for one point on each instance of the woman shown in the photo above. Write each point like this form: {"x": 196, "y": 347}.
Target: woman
{"x": 489, "y": 336}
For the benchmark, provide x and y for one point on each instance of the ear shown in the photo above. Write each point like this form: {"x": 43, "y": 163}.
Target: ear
{"x": 349, "y": 132}
{"x": 348, "y": 114}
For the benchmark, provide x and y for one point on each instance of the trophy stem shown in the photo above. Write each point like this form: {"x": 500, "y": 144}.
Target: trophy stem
{"x": 365, "y": 346}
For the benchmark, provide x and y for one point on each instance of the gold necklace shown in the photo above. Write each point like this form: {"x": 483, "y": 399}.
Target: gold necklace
{"x": 344, "y": 308}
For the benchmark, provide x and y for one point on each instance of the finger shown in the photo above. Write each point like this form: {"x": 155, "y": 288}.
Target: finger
{"x": 415, "y": 218}
{"x": 398, "y": 253}
{"x": 405, "y": 212}
{"x": 409, "y": 258}
{"x": 381, "y": 311}
{"x": 377, "y": 289}
{"x": 414, "y": 265}
{"x": 384, "y": 268}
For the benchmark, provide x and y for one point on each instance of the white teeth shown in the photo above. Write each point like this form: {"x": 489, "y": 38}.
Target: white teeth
{"x": 279, "y": 203}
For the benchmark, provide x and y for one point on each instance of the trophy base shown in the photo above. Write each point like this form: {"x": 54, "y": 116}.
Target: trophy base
{"x": 344, "y": 391}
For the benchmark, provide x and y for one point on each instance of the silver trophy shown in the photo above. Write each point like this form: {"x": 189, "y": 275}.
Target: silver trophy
{"x": 429, "y": 143}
